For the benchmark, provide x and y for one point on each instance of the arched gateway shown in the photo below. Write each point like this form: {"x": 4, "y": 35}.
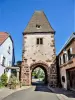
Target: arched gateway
{"x": 43, "y": 66}
{"x": 38, "y": 49}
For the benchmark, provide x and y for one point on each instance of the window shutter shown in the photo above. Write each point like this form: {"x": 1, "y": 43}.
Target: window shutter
{"x": 67, "y": 56}
{"x": 71, "y": 50}
{"x": 62, "y": 59}
{"x": 1, "y": 59}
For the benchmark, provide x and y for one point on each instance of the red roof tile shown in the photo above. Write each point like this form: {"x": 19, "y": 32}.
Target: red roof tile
{"x": 3, "y": 37}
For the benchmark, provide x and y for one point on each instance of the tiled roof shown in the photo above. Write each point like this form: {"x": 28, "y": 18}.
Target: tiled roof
{"x": 3, "y": 37}
{"x": 68, "y": 41}
{"x": 38, "y": 23}
{"x": 71, "y": 37}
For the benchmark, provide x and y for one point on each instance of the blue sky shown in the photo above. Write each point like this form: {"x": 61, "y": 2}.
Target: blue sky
{"x": 15, "y": 15}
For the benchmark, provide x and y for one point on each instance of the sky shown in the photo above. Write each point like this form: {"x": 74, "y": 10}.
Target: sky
{"x": 15, "y": 15}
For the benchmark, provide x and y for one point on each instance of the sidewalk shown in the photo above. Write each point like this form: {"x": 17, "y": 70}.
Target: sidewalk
{"x": 4, "y": 92}
{"x": 63, "y": 94}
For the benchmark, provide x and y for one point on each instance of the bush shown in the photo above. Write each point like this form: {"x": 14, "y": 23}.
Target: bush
{"x": 1, "y": 85}
{"x": 4, "y": 79}
{"x": 13, "y": 82}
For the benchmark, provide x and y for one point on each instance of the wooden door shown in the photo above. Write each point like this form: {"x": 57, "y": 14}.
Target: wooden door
{"x": 72, "y": 78}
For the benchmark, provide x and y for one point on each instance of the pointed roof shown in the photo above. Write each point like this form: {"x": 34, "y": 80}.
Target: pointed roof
{"x": 38, "y": 23}
{"x": 3, "y": 37}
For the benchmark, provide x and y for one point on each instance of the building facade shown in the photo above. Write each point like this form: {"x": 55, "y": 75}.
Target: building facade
{"x": 38, "y": 49}
{"x": 67, "y": 64}
{"x": 7, "y": 57}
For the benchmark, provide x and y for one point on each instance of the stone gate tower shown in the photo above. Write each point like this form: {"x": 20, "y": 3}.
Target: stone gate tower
{"x": 38, "y": 49}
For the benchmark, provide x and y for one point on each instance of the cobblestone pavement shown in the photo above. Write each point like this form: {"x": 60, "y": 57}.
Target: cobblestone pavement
{"x": 40, "y": 93}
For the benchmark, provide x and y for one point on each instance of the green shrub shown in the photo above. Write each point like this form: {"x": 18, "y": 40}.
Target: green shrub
{"x": 1, "y": 84}
{"x": 13, "y": 81}
{"x": 4, "y": 79}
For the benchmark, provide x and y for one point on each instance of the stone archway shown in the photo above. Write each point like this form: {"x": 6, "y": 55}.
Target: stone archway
{"x": 50, "y": 72}
{"x": 44, "y": 67}
{"x": 27, "y": 70}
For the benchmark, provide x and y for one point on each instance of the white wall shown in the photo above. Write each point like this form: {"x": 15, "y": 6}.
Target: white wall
{"x": 38, "y": 52}
{"x": 4, "y": 52}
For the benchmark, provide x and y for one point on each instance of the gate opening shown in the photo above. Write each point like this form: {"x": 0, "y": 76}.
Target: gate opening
{"x": 39, "y": 75}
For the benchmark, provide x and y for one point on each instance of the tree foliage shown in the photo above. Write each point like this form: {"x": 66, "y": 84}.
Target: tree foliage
{"x": 4, "y": 79}
{"x": 38, "y": 73}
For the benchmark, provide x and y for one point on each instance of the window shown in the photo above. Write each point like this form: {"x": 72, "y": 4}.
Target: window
{"x": 63, "y": 78}
{"x": 9, "y": 49}
{"x": 64, "y": 60}
{"x": 39, "y": 40}
{"x": 25, "y": 60}
{"x": 69, "y": 54}
{"x": 3, "y": 61}
{"x": 60, "y": 60}
{"x": 38, "y": 26}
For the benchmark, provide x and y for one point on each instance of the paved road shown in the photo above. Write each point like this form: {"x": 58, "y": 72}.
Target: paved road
{"x": 40, "y": 93}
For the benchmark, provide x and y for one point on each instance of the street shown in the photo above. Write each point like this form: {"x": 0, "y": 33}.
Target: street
{"x": 41, "y": 92}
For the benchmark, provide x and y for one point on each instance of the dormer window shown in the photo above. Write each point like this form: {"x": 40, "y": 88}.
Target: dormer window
{"x": 38, "y": 26}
